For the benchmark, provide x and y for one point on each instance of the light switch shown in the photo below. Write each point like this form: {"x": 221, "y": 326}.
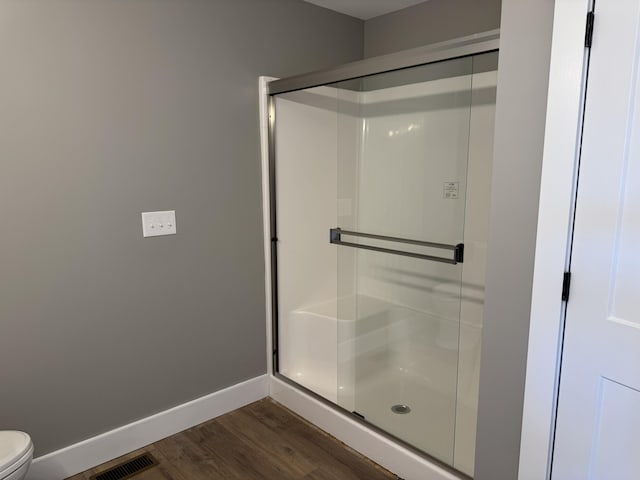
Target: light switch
{"x": 158, "y": 223}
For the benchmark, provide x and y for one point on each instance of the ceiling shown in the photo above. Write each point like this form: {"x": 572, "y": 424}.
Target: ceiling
{"x": 365, "y": 9}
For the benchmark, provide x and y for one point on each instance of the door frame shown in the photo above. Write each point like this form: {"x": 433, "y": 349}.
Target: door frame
{"x": 565, "y": 102}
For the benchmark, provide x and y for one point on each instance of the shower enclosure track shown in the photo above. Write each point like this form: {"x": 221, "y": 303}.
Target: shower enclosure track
{"x": 437, "y": 52}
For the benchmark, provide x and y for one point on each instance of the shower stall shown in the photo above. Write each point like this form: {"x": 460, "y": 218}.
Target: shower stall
{"x": 379, "y": 204}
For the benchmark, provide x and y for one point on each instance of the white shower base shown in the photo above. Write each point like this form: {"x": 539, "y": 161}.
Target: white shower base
{"x": 387, "y": 453}
{"x": 390, "y": 355}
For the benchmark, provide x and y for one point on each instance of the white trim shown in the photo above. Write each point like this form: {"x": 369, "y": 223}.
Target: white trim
{"x": 385, "y": 452}
{"x": 94, "y": 451}
{"x": 266, "y": 206}
{"x": 561, "y": 148}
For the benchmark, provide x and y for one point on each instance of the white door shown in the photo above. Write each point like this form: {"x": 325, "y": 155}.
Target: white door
{"x": 598, "y": 423}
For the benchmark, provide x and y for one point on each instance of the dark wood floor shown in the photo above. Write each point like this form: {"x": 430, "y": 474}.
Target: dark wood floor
{"x": 260, "y": 441}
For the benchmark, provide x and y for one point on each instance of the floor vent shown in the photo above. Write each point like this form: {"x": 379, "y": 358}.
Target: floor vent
{"x": 127, "y": 469}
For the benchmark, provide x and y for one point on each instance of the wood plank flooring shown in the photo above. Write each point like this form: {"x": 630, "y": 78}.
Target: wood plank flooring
{"x": 260, "y": 441}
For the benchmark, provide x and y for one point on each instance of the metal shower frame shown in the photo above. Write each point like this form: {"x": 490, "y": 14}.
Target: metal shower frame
{"x": 468, "y": 46}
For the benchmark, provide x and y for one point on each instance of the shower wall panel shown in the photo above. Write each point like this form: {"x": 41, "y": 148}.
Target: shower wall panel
{"x": 306, "y": 200}
{"x": 415, "y": 142}
{"x": 309, "y": 198}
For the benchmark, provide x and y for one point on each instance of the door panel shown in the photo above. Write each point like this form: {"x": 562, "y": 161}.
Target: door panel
{"x": 597, "y": 426}
{"x": 616, "y": 436}
{"x": 399, "y": 316}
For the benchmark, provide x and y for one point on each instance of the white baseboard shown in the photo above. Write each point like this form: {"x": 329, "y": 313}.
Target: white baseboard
{"x": 94, "y": 451}
{"x": 395, "y": 458}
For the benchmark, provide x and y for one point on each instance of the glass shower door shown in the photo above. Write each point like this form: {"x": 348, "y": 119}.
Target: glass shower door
{"x": 403, "y": 144}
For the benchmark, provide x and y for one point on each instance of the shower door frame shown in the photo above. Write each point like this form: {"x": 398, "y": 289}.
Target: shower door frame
{"x": 469, "y": 46}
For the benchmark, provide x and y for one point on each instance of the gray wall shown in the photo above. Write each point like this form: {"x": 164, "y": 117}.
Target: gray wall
{"x": 109, "y": 108}
{"x": 525, "y": 46}
{"x": 429, "y": 22}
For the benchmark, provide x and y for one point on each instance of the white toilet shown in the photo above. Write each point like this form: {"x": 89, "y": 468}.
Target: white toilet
{"x": 16, "y": 452}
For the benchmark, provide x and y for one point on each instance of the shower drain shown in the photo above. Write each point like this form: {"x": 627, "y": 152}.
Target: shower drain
{"x": 401, "y": 409}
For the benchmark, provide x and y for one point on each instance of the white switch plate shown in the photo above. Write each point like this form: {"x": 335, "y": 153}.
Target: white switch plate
{"x": 158, "y": 223}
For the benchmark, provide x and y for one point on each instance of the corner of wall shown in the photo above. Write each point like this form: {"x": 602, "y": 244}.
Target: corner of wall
{"x": 523, "y": 75}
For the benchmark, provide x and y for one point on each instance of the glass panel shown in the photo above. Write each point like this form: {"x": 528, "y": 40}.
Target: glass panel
{"x": 403, "y": 144}
{"x": 396, "y": 339}
{"x": 478, "y": 203}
